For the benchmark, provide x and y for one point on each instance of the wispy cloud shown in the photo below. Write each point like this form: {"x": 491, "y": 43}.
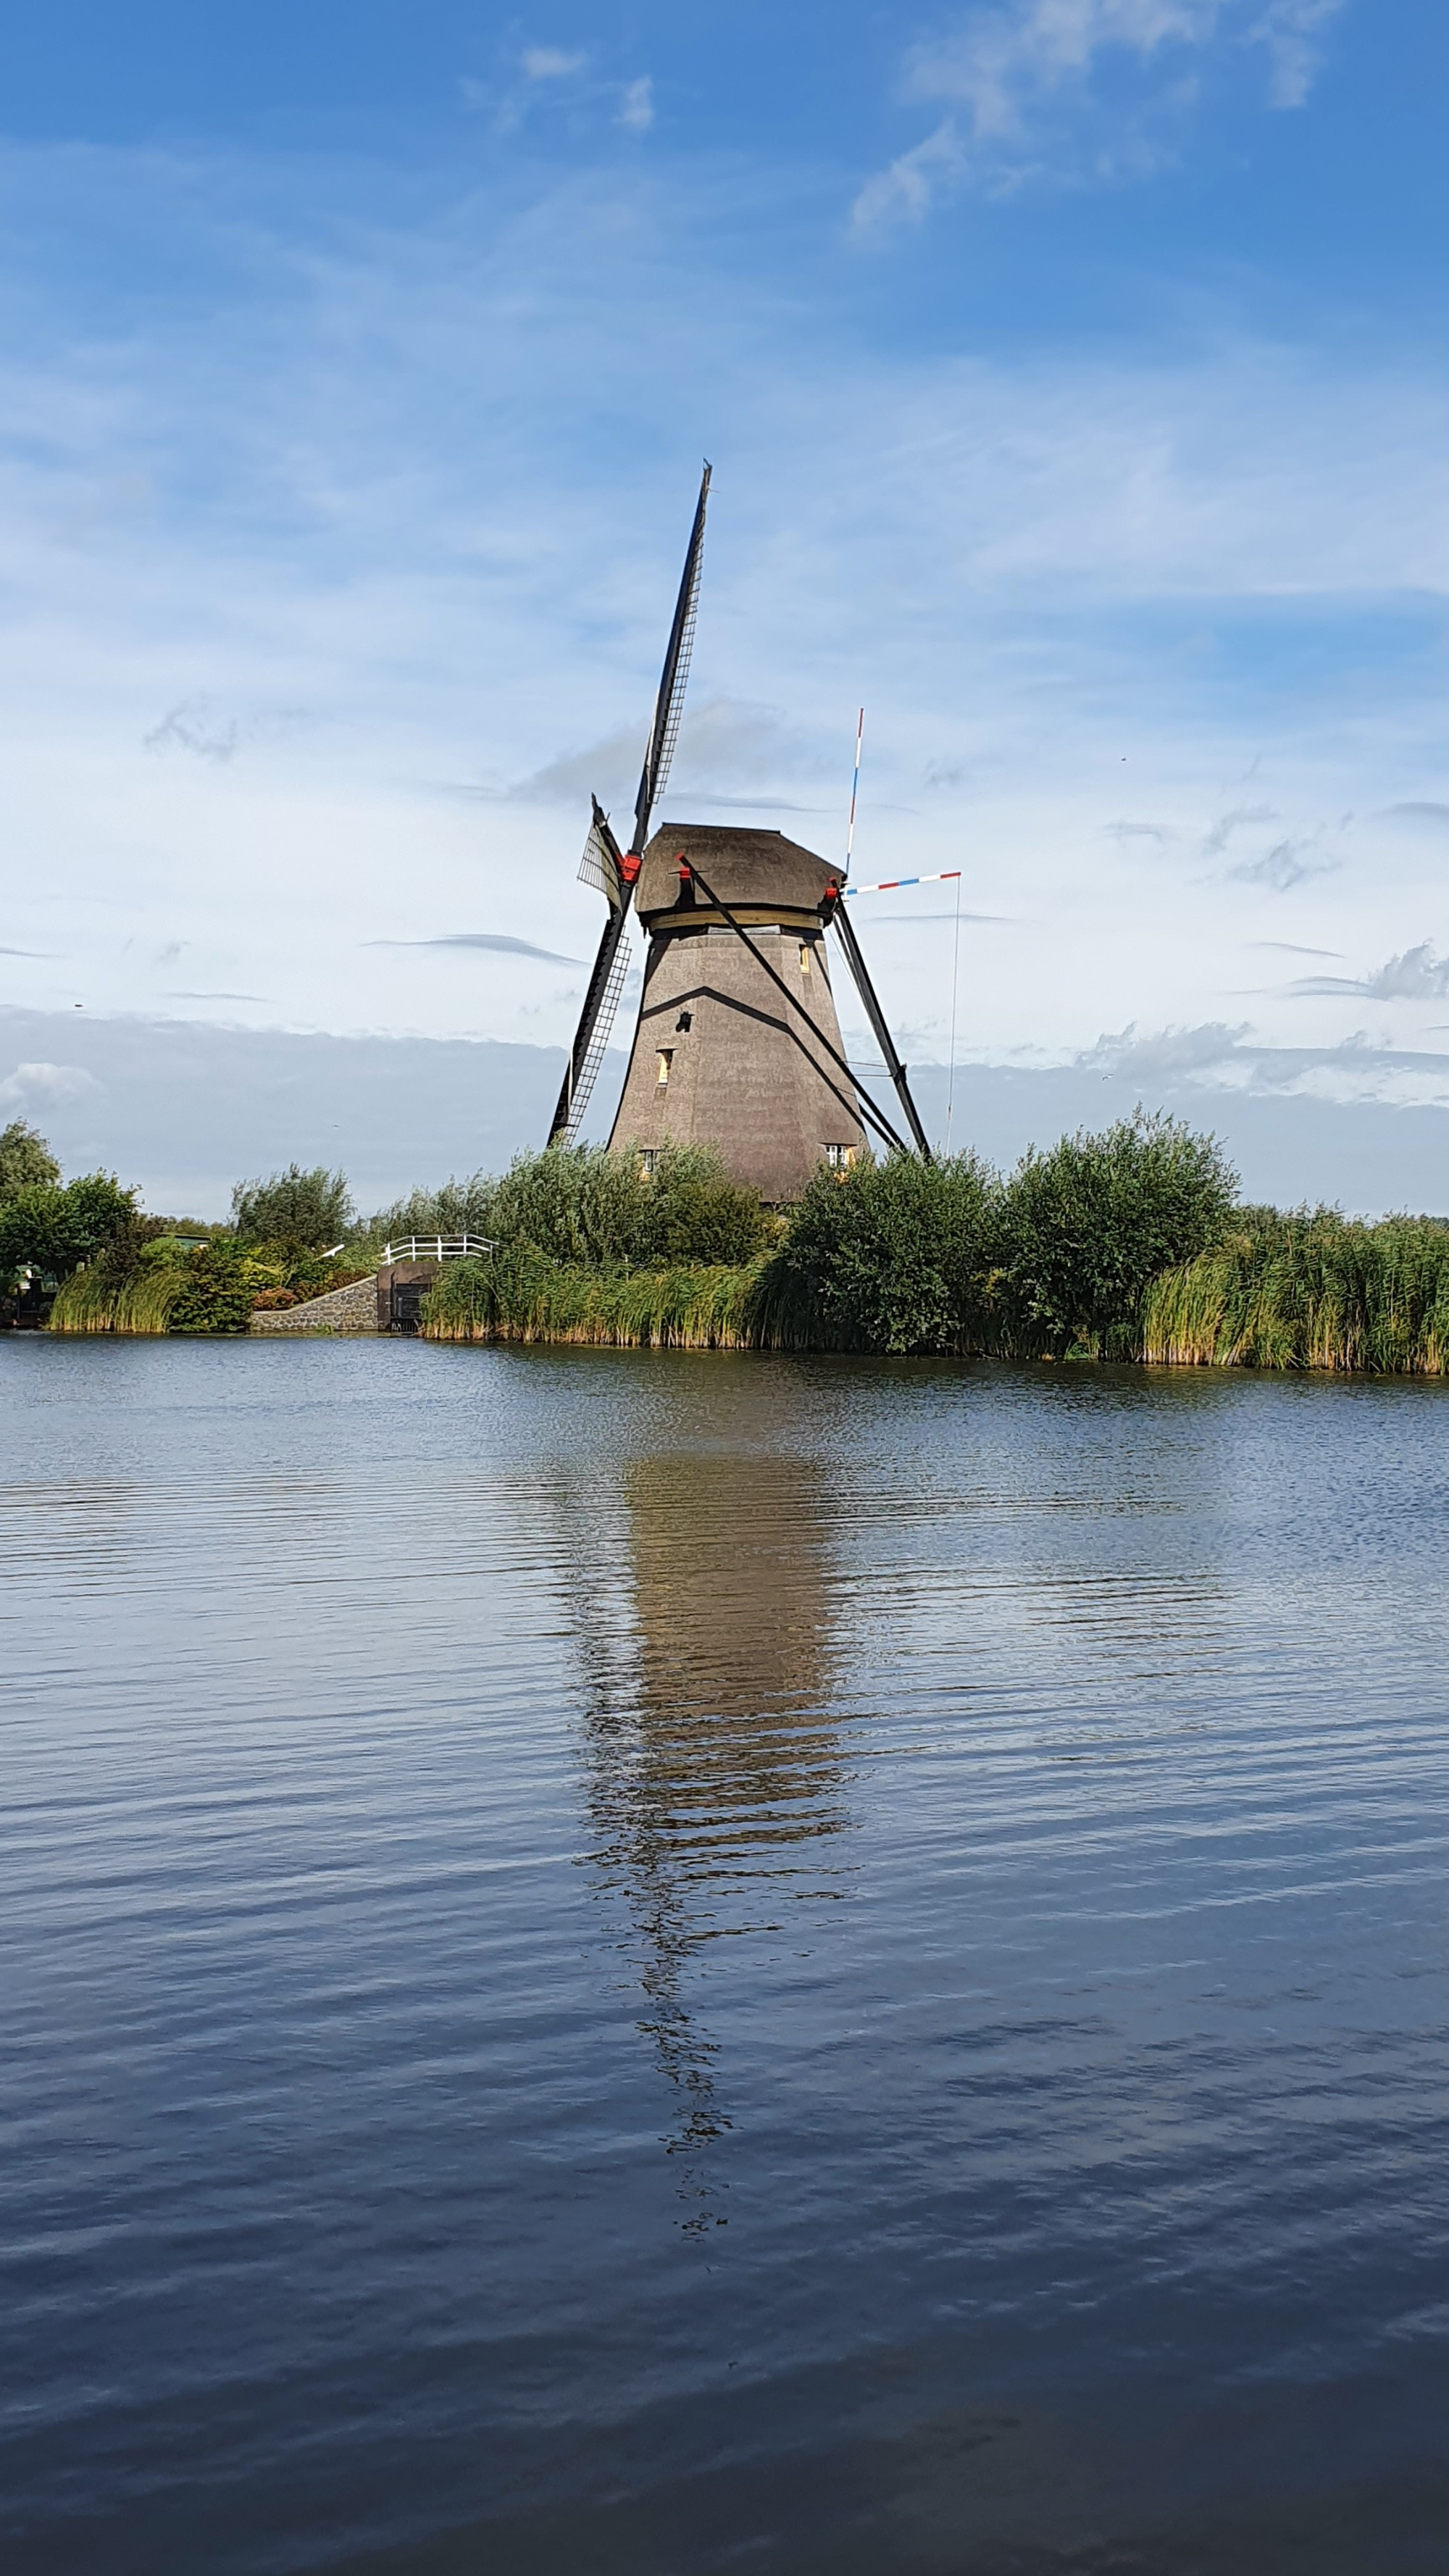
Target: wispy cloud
{"x": 1216, "y": 1056}
{"x": 1416, "y": 976}
{"x": 636, "y": 107}
{"x": 726, "y": 742}
{"x": 192, "y": 727}
{"x": 1423, "y": 810}
{"x": 1294, "y": 948}
{"x": 1077, "y": 92}
{"x": 1292, "y": 31}
{"x": 550, "y": 62}
{"x": 495, "y": 942}
{"x": 1216, "y": 841}
{"x": 1287, "y": 864}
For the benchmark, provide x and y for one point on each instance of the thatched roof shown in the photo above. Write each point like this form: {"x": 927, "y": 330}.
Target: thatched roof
{"x": 744, "y": 867}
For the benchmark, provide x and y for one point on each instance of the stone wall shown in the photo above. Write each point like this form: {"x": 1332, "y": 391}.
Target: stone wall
{"x": 342, "y": 1310}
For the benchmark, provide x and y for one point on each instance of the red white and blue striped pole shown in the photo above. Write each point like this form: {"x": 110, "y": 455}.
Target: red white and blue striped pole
{"x": 889, "y": 885}
{"x": 854, "y": 790}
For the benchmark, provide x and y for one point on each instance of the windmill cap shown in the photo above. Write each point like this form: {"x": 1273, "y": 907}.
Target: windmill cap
{"x": 749, "y": 868}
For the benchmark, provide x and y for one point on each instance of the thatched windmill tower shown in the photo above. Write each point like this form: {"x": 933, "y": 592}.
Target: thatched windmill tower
{"x": 737, "y": 1043}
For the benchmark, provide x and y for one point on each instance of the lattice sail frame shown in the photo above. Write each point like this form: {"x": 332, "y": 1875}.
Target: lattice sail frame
{"x": 603, "y": 1028}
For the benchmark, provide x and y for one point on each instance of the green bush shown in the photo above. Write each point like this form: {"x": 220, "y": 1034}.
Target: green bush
{"x": 1085, "y": 1228}
{"x": 310, "y": 1209}
{"x": 895, "y": 1257}
{"x": 53, "y": 1230}
{"x": 25, "y": 1159}
{"x": 582, "y": 1204}
{"x": 691, "y": 1211}
{"x": 216, "y": 1289}
{"x": 458, "y": 1207}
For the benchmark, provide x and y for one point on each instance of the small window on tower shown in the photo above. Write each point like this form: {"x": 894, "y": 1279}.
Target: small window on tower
{"x": 666, "y": 1059}
{"x": 840, "y": 1159}
{"x": 804, "y": 956}
{"x": 646, "y": 1163}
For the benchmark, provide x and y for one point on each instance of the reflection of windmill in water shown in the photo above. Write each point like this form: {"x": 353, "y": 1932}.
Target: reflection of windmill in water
{"x": 737, "y": 1043}
{"x": 715, "y": 1775}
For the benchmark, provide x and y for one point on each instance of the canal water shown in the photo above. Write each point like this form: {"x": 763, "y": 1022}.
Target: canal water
{"x": 625, "y": 1964}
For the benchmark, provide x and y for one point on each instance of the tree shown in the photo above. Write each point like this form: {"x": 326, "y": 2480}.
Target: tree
{"x": 25, "y": 1159}
{"x": 690, "y": 1210}
{"x": 312, "y": 1208}
{"x": 894, "y": 1258}
{"x": 1086, "y": 1227}
{"x": 53, "y": 1230}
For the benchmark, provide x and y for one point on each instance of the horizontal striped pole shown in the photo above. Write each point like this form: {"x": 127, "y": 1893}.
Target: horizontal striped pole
{"x": 890, "y": 885}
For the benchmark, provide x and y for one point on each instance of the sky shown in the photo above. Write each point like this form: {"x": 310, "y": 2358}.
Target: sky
{"x": 1073, "y": 373}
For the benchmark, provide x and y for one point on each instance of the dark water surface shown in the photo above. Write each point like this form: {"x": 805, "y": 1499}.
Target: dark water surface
{"x": 654, "y": 1963}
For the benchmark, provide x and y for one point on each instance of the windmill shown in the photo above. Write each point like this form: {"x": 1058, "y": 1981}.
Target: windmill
{"x": 737, "y": 1044}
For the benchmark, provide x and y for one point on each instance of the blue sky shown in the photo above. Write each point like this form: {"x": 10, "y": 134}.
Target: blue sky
{"x": 1073, "y": 375}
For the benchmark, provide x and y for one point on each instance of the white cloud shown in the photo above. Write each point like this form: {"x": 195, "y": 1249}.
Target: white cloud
{"x": 1076, "y": 91}
{"x": 636, "y": 108}
{"x": 33, "y": 1083}
{"x": 1291, "y": 31}
{"x": 1215, "y": 1057}
{"x": 550, "y": 62}
{"x": 1205, "y": 1048}
{"x": 725, "y": 742}
{"x": 1418, "y": 975}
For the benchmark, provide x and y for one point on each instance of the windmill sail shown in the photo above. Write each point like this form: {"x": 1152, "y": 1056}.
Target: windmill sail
{"x": 599, "y": 866}
{"x": 669, "y": 702}
{"x": 605, "y": 866}
{"x": 610, "y": 975}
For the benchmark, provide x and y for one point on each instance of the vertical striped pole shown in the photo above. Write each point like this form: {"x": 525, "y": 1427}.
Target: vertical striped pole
{"x": 854, "y": 790}
{"x": 955, "y": 974}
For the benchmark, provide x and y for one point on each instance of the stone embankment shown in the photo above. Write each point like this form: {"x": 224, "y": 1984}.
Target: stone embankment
{"x": 386, "y": 1303}
{"x": 342, "y": 1310}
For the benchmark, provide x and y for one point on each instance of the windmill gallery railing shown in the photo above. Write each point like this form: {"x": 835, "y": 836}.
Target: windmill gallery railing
{"x": 439, "y": 1247}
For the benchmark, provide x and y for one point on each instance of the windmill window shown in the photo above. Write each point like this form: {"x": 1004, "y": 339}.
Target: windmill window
{"x": 646, "y": 1163}
{"x": 839, "y": 1158}
{"x": 666, "y": 1059}
{"x": 804, "y": 957}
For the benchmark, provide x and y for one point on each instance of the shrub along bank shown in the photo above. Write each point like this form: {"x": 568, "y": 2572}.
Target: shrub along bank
{"x": 1126, "y": 1245}
{"x": 899, "y": 1257}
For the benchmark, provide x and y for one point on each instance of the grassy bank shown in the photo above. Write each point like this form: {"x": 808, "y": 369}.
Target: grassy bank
{"x": 90, "y": 1302}
{"x": 1308, "y": 1292}
{"x": 523, "y": 1296}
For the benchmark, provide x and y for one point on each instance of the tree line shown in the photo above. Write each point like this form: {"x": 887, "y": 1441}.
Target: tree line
{"x": 1130, "y": 1244}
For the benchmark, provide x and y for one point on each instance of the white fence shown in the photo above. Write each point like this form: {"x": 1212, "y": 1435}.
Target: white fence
{"x": 438, "y": 1247}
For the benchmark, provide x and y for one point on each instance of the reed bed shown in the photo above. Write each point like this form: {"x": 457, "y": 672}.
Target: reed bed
{"x": 523, "y": 1296}
{"x": 1309, "y": 1292}
{"x": 89, "y": 1302}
